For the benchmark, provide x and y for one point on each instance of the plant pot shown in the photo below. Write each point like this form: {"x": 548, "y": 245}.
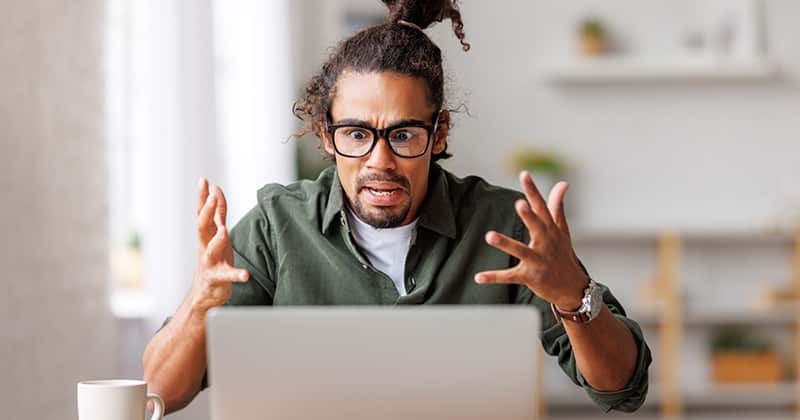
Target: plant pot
{"x": 127, "y": 266}
{"x": 593, "y": 45}
{"x": 746, "y": 367}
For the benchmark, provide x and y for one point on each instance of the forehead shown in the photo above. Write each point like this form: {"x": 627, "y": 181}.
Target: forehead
{"x": 380, "y": 97}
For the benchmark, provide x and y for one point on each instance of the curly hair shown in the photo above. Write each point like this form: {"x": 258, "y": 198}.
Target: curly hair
{"x": 394, "y": 46}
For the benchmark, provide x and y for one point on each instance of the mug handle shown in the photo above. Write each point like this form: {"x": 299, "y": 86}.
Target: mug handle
{"x": 158, "y": 406}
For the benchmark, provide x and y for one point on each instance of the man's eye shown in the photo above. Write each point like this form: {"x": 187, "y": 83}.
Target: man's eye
{"x": 402, "y": 135}
{"x": 356, "y": 134}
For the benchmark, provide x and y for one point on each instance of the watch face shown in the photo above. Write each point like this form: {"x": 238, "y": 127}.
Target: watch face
{"x": 592, "y": 303}
{"x": 596, "y": 294}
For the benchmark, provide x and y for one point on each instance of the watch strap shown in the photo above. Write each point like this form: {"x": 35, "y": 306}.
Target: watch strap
{"x": 573, "y": 316}
{"x": 590, "y": 306}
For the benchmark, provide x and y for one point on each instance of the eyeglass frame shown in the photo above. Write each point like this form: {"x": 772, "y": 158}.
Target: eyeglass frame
{"x": 378, "y": 133}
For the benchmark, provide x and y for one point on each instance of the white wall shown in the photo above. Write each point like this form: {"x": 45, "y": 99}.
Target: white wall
{"x": 695, "y": 156}
{"x": 55, "y": 327}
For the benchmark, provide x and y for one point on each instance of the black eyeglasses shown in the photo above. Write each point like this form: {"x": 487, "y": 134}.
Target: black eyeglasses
{"x": 406, "y": 140}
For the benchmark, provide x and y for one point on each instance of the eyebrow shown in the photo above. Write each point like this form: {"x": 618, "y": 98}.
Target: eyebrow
{"x": 362, "y": 123}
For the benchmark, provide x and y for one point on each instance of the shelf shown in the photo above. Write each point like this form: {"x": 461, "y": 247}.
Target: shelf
{"x": 730, "y": 396}
{"x": 712, "y": 396}
{"x": 592, "y": 414}
{"x": 666, "y": 69}
{"x": 720, "y": 317}
{"x": 589, "y": 236}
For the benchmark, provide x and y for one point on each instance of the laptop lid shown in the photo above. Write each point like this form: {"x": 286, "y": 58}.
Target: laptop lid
{"x": 443, "y": 362}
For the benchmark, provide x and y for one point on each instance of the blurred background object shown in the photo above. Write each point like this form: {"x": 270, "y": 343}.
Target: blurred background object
{"x": 738, "y": 356}
{"x": 546, "y": 167}
{"x": 679, "y": 140}
{"x": 126, "y": 264}
{"x": 594, "y": 37}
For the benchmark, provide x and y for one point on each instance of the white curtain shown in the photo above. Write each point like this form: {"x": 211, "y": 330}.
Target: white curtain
{"x": 207, "y": 93}
{"x": 254, "y": 94}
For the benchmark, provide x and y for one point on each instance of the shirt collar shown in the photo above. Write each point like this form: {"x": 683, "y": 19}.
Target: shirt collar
{"x": 335, "y": 203}
{"x": 436, "y": 212}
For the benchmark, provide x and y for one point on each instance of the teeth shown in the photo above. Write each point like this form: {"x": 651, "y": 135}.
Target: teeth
{"x": 377, "y": 192}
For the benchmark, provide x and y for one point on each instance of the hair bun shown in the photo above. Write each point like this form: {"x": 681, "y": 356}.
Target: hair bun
{"x": 424, "y": 13}
{"x": 419, "y": 12}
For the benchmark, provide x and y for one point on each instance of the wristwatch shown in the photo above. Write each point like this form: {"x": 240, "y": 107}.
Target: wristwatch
{"x": 590, "y": 307}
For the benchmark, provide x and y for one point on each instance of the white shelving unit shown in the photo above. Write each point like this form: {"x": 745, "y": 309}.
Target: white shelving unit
{"x": 677, "y": 322}
{"x": 659, "y": 69}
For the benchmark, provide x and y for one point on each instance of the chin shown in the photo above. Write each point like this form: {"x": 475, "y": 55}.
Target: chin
{"x": 382, "y": 217}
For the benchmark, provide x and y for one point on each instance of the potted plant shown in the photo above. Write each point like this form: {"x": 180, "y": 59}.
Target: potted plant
{"x": 127, "y": 263}
{"x": 737, "y": 356}
{"x": 593, "y": 37}
{"x": 546, "y": 167}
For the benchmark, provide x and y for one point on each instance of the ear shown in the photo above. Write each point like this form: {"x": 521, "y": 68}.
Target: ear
{"x": 440, "y": 139}
{"x": 326, "y": 139}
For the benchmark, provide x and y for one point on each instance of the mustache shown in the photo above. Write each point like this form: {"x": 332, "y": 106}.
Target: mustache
{"x": 384, "y": 177}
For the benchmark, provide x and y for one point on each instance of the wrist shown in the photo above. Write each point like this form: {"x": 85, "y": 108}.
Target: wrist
{"x": 572, "y": 300}
{"x": 192, "y": 316}
{"x": 569, "y": 305}
{"x": 590, "y": 307}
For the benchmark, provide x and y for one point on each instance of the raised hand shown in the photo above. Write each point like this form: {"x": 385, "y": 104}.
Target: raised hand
{"x": 213, "y": 281}
{"x": 547, "y": 264}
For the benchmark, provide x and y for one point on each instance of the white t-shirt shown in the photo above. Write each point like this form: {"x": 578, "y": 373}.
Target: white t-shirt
{"x": 386, "y": 249}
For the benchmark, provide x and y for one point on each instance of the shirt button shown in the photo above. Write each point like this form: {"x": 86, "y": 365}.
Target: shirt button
{"x": 364, "y": 266}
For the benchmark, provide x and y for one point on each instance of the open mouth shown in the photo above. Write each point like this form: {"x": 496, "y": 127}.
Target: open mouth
{"x": 383, "y": 195}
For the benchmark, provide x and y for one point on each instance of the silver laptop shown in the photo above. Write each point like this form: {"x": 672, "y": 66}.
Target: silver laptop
{"x": 302, "y": 363}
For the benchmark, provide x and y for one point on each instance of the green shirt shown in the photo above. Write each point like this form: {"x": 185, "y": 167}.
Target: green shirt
{"x": 297, "y": 246}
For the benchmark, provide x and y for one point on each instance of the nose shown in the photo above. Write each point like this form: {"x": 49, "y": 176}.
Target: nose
{"x": 381, "y": 157}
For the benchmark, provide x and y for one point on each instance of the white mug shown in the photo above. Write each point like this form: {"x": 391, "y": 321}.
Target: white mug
{"x": 116, "y": 400}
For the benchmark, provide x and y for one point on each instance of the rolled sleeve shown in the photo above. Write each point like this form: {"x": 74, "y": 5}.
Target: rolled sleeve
{"x": 556, "y": 343}
{"x": 631, "y": 397}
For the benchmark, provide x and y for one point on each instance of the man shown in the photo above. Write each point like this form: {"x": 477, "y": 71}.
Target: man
{"x": 388, "y": 226}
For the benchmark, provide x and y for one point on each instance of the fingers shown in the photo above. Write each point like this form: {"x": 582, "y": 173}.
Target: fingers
{"x": 221, "y": 213}
{"x": 510, "y": 246}
{"x": 531, "y": 221}
{"x": 213, "y": 212}
{"x": 507, "y": 276}
{"x": 205, "y": 224}
{"x": 218, "y": 245}
{"x": 535, "y": 199}
{"x": 222, "y": 274}
{"x": 202, "y": 195}
{"x": 555, "y": 203}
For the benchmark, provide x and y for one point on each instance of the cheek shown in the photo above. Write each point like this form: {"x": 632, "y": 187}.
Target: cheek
{"x": 418, "y": 177}
{"x": 348, "y": 174}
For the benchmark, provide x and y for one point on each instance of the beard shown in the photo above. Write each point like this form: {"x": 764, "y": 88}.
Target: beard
{"x": 382, "y": 217}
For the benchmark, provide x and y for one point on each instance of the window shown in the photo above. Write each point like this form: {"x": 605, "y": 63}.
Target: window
{"x": 193, "y": 90}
